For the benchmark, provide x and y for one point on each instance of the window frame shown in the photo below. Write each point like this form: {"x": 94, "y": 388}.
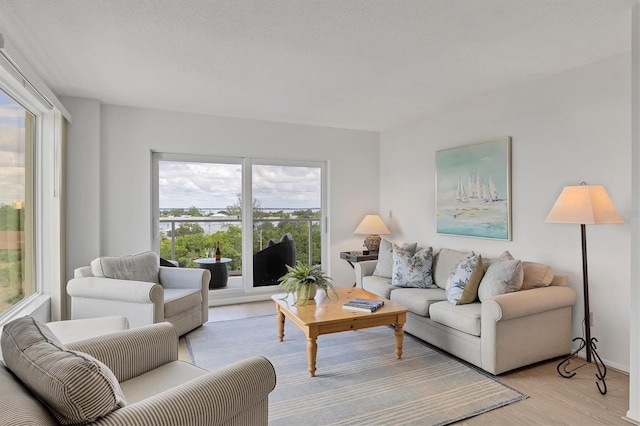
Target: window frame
{"x": 45, "y": 176}
{"x": 248, "y": 290}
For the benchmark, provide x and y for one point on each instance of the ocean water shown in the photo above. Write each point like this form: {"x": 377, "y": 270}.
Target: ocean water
{"x": 484, "y": 220}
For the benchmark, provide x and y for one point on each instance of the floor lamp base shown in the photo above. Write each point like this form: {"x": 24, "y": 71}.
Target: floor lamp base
{"x": 563, "y": 366}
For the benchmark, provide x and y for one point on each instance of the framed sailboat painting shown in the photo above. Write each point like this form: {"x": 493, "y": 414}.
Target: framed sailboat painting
{"x": 473, "y": 190}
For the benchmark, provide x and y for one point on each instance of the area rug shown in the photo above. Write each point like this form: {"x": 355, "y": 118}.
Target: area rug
{"x": 358, "y": 380}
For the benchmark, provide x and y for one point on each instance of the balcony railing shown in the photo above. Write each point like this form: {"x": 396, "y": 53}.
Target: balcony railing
{"x": 220, "y": 222}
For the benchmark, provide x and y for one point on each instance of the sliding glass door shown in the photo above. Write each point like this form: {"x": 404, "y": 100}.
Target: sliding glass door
{"x": 263, "y": 214}
{"x": 287, "y": 208}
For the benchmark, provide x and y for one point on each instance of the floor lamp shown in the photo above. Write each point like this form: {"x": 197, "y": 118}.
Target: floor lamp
{"x": 584, "y": 205}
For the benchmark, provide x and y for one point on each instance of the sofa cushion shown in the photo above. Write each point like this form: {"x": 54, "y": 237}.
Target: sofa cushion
{"x": 177, "y": 300}
{"x": 384, "y": 267}
{"x": 412, "y": 270}
{"x": 378, "y": 285}
{"x": 76, "y": 387}
{"x": 418, "y": 300}
{"x": 443, "y": 264}
{"x": 160, "y": 379}
{"x": 536, "y": 275}
{"x": 463, "y": 282}
{"x": 136, "y": 267}
{"x": 465, "y": 318}
{"x": 502, "y": 277}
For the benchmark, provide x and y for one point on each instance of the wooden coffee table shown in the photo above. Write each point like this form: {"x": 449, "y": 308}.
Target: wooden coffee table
{"x": 326, "y": 315}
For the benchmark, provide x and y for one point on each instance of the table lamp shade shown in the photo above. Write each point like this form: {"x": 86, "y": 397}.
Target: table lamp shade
{"x": 585, "y": 205}
{"x": 372, "y": 224}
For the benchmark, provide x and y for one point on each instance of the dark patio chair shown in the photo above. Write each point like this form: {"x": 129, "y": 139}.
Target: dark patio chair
{"x": 270, "y": 263}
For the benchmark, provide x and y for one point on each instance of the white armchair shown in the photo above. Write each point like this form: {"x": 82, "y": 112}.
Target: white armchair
{"x": 130, "y": 377}
{"x": 137, "y": 288}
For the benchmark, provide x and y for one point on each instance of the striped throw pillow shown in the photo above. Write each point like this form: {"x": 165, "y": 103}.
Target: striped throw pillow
{"x": 76, "y": 387}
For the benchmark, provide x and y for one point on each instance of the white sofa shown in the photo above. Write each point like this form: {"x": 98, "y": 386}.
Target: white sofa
{"x": 141, "y": 290}
{"x": 503, "y": 332}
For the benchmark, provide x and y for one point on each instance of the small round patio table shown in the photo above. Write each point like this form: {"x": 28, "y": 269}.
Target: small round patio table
{"x": 218, "y": 268}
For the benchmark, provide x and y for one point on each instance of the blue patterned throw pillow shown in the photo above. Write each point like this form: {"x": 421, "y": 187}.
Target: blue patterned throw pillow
{"x": 384, "y": 267}
{"x": 463, "y": 282}
{"x": 412, "y": 270}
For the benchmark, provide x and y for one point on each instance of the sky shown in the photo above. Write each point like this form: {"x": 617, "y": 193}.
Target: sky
{"x": 206, "y": 185}
{"x": 11, "y": 150}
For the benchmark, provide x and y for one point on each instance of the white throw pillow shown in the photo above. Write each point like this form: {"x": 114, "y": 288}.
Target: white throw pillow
{"x": 502, "y": 277}
{"x": 412, "y": 271}
{"x": 463, "y": 282}
{"x": 384, "y": 267}
{"x": 488, "y": 261}
{"x": 137, "y": 267}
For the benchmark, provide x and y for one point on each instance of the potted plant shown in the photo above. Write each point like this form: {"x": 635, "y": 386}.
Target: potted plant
{"x": 302, "y": 280}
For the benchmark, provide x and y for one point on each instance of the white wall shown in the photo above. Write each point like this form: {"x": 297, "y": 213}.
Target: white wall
{"x": 83, "y": 181}
{"x": 565, "y": 129}
{"x": 122, "y": 211}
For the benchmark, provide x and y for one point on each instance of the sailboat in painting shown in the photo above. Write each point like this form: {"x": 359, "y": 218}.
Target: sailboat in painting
{"x": 477, "y": 190}
{"x": 493, "y": 191}
{"x": 461, "y": 196}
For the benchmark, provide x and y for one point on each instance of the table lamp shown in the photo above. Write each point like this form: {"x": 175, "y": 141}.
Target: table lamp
{"x": 372, "y": 226}
{"x": 584, "y": 205}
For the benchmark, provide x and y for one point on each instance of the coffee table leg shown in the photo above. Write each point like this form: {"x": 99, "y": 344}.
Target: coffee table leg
{"x": 280, "y": 320}
{"x": 399, "y": 335}
{"x": 312, "y": 352}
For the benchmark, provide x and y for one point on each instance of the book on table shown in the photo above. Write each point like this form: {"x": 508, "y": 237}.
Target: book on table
{"x": 363, "y": 305}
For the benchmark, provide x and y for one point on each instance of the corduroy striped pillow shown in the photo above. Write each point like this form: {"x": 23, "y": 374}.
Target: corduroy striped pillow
{"x": 76, "y": 387}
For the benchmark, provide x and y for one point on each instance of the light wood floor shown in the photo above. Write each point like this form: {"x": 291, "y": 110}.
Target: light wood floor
{"x": 552, "y": 400}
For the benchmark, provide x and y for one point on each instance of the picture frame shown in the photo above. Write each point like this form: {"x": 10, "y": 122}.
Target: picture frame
{"x": 473, "y": 190}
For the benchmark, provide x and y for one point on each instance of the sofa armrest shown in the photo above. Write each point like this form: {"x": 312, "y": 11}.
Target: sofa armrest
{"x": 188, "y": 278}
{"x": 528, "y": 302}
{"x": 237, "y": 394}
{"x": 364, "y": 269}
{"x": 114, "y": 289}
{"x": 525, "y": 327}
{"x": 130, "y": 353}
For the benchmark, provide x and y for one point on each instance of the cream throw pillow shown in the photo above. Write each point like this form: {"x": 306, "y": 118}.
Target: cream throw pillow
{"x": 536, "y": 275}
{"x": 443, "y": 264}
{"x": 76, "y": 387}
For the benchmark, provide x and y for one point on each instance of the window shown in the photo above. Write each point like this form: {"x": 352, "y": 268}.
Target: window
{"x": 16, "y": 202}
{"x": 200, "y": 201}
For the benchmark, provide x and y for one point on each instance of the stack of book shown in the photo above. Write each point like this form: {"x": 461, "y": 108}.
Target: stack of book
{"x": 363, "y": 305}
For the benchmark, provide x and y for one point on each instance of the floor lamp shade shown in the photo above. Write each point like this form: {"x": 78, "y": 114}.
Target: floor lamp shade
{"x": 372, "y": 226}
{"x": 584, "y": 205}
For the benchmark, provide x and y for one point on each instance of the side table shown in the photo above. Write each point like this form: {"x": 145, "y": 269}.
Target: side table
{"x": 357, "y": 256}
{"x": 218, "y": 269}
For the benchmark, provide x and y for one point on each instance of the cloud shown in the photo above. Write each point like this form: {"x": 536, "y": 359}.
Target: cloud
{"x": 217, "y": 185}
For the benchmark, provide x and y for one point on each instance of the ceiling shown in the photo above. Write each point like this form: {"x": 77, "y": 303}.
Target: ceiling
{"x": 358, "y": 64}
